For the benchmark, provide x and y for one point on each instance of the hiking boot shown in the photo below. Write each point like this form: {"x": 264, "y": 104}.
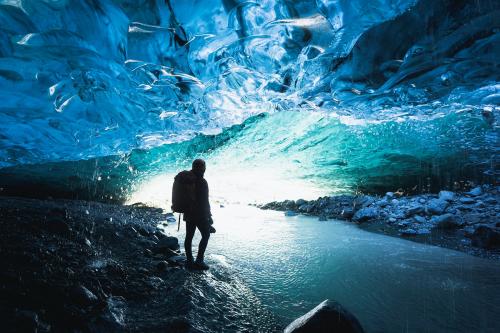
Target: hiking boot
{"x": 212, "y": 230}
{"x": 200, "y": 264}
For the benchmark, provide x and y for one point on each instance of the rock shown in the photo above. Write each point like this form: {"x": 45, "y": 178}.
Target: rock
{"x": 290, "y": 213}
{"x": 467, "y": 201}
{"x": 419, "y": 219}
{"x": 365, "y": 214}
{"x": 486, "y": 236}
{"x": 405, "y": 223}
{"x": 383, "y": 203}
{"x": 112, "y": 318}
{"x": 327, "y": 317}
{"x": 446, "y": 195}
{"x": 176, "y": 260}
{"x": 490, "y": 200}
{"x": 171, "y": 243}
{"x": 415, "y": 209}
{"x": 408, "y": 232}
{"x": 347, "y": 213}
{"x": 445, "y": 221}
{"x": 164, "y": 251}
{"x": 476, "y": 191}
{"x": 394, "y": 201}
{"x": 421, "y": 200}
{"x": 389, "y": 195}
{"x": 436, "y": 206}
{"x": 364, "y": 201}
{"x": 83, "y": 296}
{"x": 323, "y": 218}
{"x": 162, "y": 265}
{"x": 303, "y": 208}
{"x": 147, "y": 252}
{"x": 300, "y": 202}
{"x": 423, "y": 231}
{"x": 392, "y": 220}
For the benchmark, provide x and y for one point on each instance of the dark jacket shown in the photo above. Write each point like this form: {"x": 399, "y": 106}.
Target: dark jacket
{"x": 200, "y": 211}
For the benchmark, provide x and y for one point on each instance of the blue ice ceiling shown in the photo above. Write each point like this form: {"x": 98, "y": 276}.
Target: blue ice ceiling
{"x": 87, "y": 78}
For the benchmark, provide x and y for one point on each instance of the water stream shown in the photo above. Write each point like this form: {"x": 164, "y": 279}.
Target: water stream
{"x": 390, "y": 284}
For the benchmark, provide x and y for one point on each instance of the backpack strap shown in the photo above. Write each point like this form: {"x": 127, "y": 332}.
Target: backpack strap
{"x": 179, "y": 224}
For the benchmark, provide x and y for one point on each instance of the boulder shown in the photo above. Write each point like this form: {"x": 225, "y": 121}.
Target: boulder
{"x": 327, "y": 317}
{"x": 347, "y": 213}
{"x": 365, "y": 214}
{"x": 290, "y": 213}
{"x": 446, "y": 195}
{"x": 171, "y": 243}
{"x": 436, "y": 206}
{"x": 476, "y": 191}
{"x": 300, "y": 202}
{"x": 83, "y": 296}
{"x": 486, "y": 236}
{"x": 446, "y": 221}
{"x": 414, "y": 209}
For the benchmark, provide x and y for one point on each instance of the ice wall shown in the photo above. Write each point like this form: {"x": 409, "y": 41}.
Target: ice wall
{"x": 81, "y": 79}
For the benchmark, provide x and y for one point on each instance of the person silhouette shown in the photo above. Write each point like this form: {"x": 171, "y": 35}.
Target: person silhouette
{"x": 198, "y": 216}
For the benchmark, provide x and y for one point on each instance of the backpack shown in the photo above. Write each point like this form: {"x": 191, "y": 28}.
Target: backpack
{"x": 183, "y": 195}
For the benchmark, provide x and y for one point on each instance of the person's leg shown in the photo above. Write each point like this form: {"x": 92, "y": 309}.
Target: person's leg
{"x": 190, "y": 229}
{"x": 205, "y": 235}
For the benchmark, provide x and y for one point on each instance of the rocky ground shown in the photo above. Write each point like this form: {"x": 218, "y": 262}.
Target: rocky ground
{"x": 466, "y": 221}
{"x": 76, "y": 266}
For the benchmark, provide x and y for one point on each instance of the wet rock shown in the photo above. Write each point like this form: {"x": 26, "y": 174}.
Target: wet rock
{"x": 112, "y": 318}
{"x": 408, "y": 232}
{"x": 347, "y": 213}
{"x": 423, "y": 231}
{"x": 436, "y": 206}
{"x": 389, "y": 195}
{"x": 290, "y": 213}
{"x": 419, "y": 219}
{"x": 415, "y": 209}
{"x": 323, "y": 218}
{"x": 171, "y": 243}
{"x": 486, "y": 236}
{"x": 467, "y": 201}
{"x": 83, "y": 296}
{"x": 446, "y": 195}
{"x": 364, "y": 201}
{"x": 162, "y": 266}
{"x": 365, "y": 214}
{"x": 476, "y": 191}
{"x": 327, "y": 317}
{"x": 148, "y": 252}
{"x": 176, "y": 260}
{"x": 490, "y": 200}
{"x": 446, "y": 221}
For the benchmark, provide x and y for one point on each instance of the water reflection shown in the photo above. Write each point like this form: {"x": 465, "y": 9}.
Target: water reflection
{"x": 390, "y": 284}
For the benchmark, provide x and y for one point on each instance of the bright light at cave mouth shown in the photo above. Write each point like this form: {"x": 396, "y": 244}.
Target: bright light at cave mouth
{"x": 240, "y": 187}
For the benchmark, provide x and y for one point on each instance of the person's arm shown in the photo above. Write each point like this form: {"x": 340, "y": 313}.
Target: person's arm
{"x": 207, "y": 209}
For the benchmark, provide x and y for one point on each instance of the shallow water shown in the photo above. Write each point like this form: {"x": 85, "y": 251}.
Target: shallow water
{"x": 389, "y": 284}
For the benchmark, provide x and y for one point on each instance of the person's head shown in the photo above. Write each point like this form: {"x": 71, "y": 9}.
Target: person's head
{"x": 198, "y": 167}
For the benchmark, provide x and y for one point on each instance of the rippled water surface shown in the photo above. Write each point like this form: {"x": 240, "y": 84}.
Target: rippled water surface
{"x": 390, "y": 284}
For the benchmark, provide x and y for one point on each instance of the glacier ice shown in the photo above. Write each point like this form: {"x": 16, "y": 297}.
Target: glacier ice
{"x": 84, "y": 79}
